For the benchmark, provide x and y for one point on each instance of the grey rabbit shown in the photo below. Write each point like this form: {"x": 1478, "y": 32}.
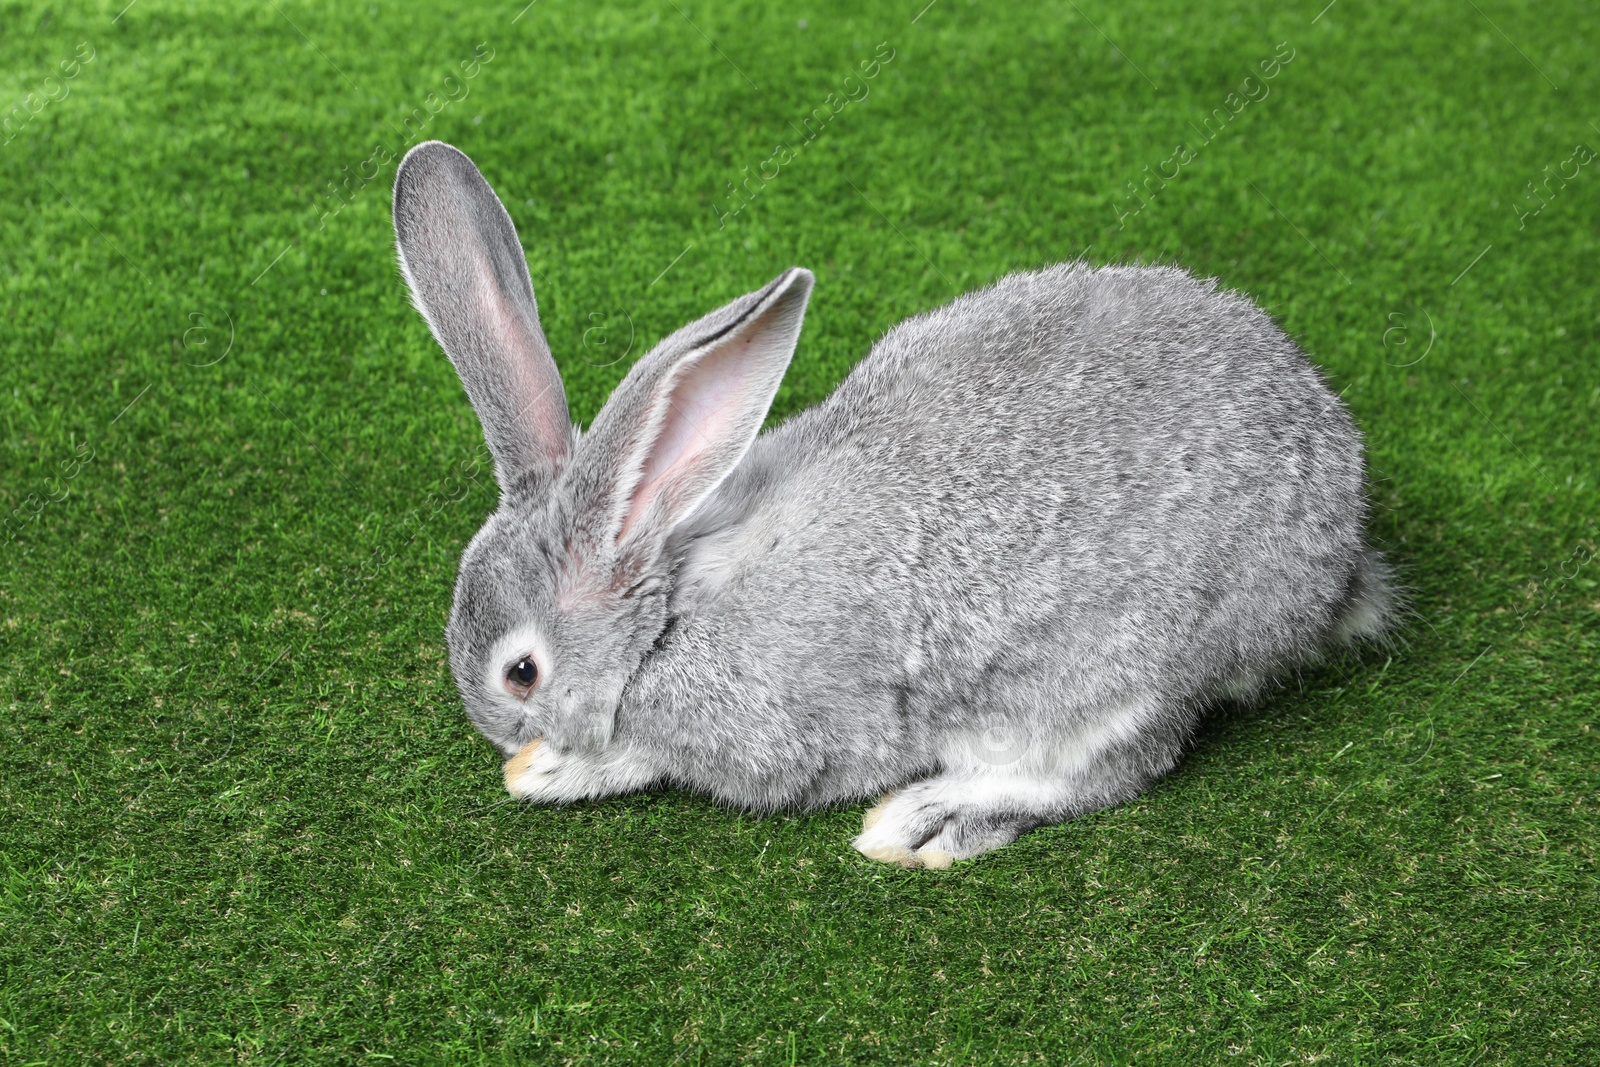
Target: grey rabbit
{"x": 997, "y": 573}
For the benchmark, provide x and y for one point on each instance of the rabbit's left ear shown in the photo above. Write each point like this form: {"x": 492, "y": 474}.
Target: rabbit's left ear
{"x": 460, "y": 254}
{"x": 686, "y": 414}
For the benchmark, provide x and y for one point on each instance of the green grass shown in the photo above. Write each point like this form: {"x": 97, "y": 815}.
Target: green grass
{"x": 242, "y": 816}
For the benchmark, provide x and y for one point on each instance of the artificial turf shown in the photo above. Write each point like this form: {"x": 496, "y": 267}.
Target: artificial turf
{"x": 242, "y": 817}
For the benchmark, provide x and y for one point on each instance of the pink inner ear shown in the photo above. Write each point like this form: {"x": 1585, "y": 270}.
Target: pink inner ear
{"x": 702, "y": 412}
{"x": 526, "y": 383}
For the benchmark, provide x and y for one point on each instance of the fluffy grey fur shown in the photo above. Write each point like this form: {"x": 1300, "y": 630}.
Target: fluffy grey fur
{"x": 1000, "y": 570}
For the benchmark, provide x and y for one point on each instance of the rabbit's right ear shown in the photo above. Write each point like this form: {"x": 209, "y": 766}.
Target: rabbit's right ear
{"x": 684, "y": 416}
{"x": 460, "y": 255}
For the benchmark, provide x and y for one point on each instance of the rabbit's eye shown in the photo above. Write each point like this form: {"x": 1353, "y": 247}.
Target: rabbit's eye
{"x": 521, "y": 676}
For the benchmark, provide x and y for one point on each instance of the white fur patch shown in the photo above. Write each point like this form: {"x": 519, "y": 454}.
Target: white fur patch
{"x": 1002, "y": 752}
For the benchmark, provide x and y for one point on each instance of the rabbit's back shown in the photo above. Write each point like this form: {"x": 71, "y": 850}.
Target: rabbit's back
{"x": 1075, "y": 486}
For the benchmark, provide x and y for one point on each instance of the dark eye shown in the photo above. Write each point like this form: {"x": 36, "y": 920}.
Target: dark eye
{"x": 521, "y": 676}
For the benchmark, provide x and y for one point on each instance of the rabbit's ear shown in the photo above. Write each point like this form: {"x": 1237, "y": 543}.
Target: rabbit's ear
{"x": 460, "y": 255}
{"x": 685, "y": 415}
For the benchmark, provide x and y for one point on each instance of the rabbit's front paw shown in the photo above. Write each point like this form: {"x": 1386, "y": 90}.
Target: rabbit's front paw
{"x": 549, "y": 775}
{"x": 529, "y": 770}
{"x": 546, "y": 775}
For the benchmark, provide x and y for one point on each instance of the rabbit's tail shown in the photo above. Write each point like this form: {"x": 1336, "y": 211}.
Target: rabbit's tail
{"x": 1373, "y": 604}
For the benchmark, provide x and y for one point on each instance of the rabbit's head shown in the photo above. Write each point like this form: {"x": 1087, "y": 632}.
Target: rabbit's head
{"x": 563, "y": 592}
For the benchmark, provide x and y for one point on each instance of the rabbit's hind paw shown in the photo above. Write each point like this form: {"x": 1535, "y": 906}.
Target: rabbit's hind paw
{"x": 930, "y": 825}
